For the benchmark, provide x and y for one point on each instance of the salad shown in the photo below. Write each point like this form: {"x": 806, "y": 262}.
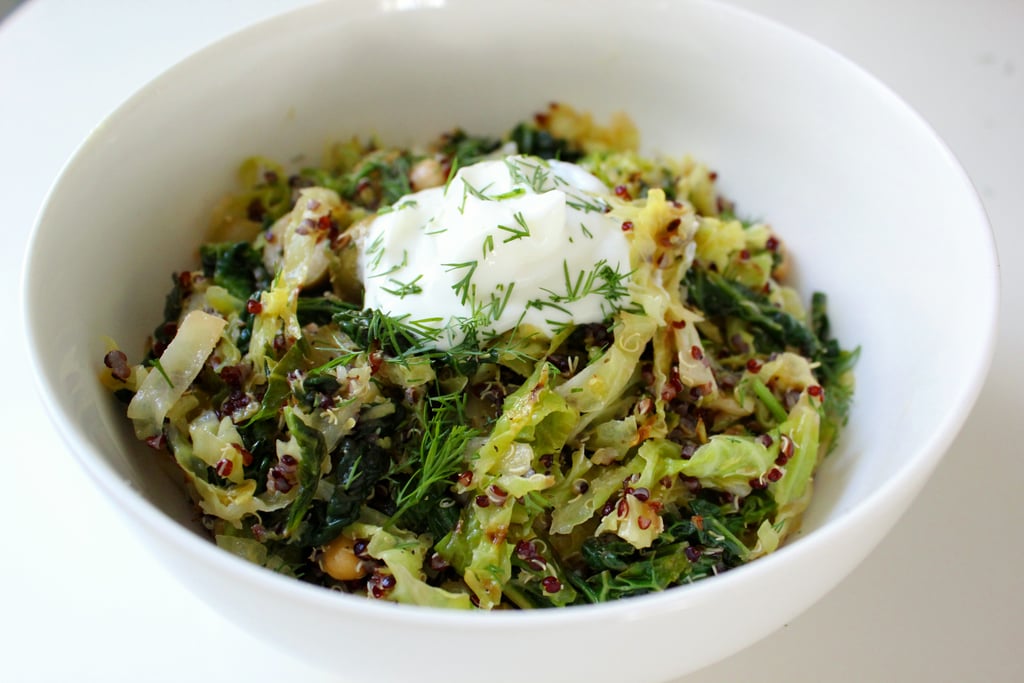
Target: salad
{"x": 534, "y": 370}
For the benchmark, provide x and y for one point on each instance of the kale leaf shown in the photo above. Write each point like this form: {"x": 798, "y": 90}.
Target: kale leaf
{"x": 235, "y": 266}
{"x": 260, "y": 440}
{"x": 322, "y": 309}
{"x": 607, "y": 552}
{"x": 773, "y": 328}
{"x": 278, "y": 386}
{"x": 360, "y": 463}
{"x": 314, "y": 450}
{"x": 464, "y": 149}
{"x": 644, "y": 575}
{"x": 536, "y": 142}
{"x": 835, "y": 362}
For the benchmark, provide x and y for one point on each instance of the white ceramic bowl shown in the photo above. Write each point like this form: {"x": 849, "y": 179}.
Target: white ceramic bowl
{"x": 873, "y": 206}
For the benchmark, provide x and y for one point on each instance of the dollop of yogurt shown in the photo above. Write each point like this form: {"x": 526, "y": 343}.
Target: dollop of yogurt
{"x": 519, "y": 242}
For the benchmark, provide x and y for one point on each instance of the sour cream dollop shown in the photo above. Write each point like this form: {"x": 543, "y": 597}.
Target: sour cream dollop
{"x": 519, "y": 242}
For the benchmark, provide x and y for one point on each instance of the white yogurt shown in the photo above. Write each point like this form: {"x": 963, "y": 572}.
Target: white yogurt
{"x": 519, "y": 241}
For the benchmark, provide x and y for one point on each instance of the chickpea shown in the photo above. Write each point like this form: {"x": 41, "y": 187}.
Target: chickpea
{"x": 339, "y": 560}
{"x": 426, "y": 173}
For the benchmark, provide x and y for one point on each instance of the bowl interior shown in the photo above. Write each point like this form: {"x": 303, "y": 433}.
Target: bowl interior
{"x": 873, "y": 208}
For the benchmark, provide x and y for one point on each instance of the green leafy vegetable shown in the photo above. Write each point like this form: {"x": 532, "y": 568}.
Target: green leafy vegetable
{"x": 537, "y": 142}
{"x": 440, "y": 456}
{"x": 278, "y": 385}
{"x": 464, "y": 149}
{"x": 313, "y": 449}
{"x": 640, "y": 576}
{"x": 774, "y": 328}
{"x": 361, "y": 462}
{"x": 836, "y": 364}
{"x": 235, "y": 266}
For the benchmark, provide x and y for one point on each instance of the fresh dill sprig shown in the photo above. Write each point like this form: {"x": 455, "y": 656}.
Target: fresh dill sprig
{"x": 396, "y": 335}
{"x": 581, "y": 203}
{"x": 427, "y": 327}
{"x": 499, "y": 303}
{"x": 337, "y": 361}
{"x": 602, "y": 280}
{"x": 560, "y": 326}
{"x": 537, "y": 181}
{"x": 340, "y": 352}
{"x": 393, "y": 269}
{"x": 539, "y": 178}
{"x": 441, "y": 452}
{"x": 468, "y": 190}
{"x": 463, "y": 287}
{"x": 613, "y": 283}
{"x": 516, "y": 233}
{"x": 376, "y": 250}
{"x": 515, "y": 174}
{"x": 405, "y": 339}
{"x": 479, "y": 194}
{"x": 541, "y": 304}
{"x": 407, "y": 204}
{"x": 404, "y": 289}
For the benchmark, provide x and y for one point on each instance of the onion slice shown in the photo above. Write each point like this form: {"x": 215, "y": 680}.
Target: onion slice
{"x": 181, "y": 362}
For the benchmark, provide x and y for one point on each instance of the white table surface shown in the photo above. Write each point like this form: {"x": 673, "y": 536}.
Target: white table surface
{"x": 940, "y": 600}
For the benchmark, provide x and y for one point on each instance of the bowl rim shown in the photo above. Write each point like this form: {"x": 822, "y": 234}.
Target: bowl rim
{"x": 910, "y": 476}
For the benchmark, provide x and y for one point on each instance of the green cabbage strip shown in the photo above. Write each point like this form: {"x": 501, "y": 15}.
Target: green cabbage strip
{"x": 792, "y": 492}
{"x": 729, "y": 463}
{"x": 403, "y": 553}
{"x": 506, "y": 469}
{"x": 534, "y": 414}
{"x": 606, "y": 379}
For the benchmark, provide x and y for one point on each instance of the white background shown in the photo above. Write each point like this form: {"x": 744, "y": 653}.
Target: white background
{"x": 940, "y": 600}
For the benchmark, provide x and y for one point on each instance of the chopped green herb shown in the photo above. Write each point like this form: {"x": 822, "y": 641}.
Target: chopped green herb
{"x": 516, "y": 233}
{"x": 404, "y": 289}
{"x": 463, "y": 287}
